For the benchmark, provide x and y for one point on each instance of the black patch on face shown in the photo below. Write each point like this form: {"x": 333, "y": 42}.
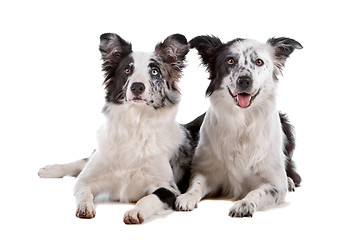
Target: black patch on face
{"x": 166, "y": 196}
{"x": 118, "y": 66}
{"x": 168, "y": 61}
{"x": 114, "y": 53}
{"x": 155, "y": 65}
{"x": 115, "y": 88}
{"x": 214, "y": 55}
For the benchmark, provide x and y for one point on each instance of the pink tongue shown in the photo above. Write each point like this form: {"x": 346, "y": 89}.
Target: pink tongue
{"x": 244, "y": 100}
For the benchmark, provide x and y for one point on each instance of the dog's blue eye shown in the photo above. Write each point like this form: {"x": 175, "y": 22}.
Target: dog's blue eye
{"x": 154, "y": 72}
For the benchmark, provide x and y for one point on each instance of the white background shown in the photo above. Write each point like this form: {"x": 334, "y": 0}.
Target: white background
{"x": 51, "y": 98}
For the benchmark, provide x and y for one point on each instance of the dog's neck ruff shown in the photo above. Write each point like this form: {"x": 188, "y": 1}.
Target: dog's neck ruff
{"x": 139, "y": 113}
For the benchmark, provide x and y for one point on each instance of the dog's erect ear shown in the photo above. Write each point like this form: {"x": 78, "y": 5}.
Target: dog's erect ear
{"x": 113, "y": 48}
{"x": 173, "y": 50}
{"x": 206, "y": 46}
{"x": 283, "y": 47}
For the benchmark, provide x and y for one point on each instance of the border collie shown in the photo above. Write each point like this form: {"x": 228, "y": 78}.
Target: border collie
{"x": 143, "y": 155}
{"x": 245, "y": 147}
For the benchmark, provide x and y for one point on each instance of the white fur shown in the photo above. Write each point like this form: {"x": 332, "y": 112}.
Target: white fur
{"x": 140, "y": 74}
{"x": 140, "y": 142}
{"x": 131, "y": 161}
{"x": 132, "y": 158}
{"x": 240, "y": 155}
{"x": 61, "y": 170}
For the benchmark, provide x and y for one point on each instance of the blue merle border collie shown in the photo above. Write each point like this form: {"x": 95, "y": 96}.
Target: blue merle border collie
{"x": 245, "y": 147}
{"x": 143, "y": 154}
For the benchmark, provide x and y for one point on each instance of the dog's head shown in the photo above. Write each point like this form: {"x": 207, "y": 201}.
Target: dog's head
{"x": 141, "y": 77}
{"x": 243, "y": 69}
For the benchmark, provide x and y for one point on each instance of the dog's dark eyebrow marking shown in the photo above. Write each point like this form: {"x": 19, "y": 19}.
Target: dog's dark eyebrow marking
{"x": 154, "y": 63}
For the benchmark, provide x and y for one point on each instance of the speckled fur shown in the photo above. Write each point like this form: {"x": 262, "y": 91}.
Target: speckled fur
{"x": 240, "y": 153}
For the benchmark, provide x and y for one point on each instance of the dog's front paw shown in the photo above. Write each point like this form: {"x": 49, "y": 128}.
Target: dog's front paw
{"x": 133, "y": 216}
{"x": 86, "y": 210}
{"x": 242, "y": 209}
{"x": 291, "y": 185}
{"x": 51, "y": 171}
{"x": 186, "y": 202}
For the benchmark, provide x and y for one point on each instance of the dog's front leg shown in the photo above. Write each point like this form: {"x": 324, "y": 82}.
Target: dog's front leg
{"x": 91, "y": 181}
{"x": 161, "y": 199}
{"x": 197, "y": 190}
{"x": 265, "y": 196}
{"x": 84, "y": 201}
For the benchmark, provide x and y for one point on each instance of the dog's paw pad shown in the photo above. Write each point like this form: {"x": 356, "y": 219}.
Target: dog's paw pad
{"x": 242, "y": 209}
{"x": 186, "y": 202}
{"x": 133, "y": 216}
{"x": 51, "y": 171}
{"x": 86, "y": 210}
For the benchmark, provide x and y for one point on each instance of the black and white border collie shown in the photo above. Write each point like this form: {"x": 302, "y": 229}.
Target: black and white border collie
{"x": 245, "y": 147}
{"x": 143, "y": 155}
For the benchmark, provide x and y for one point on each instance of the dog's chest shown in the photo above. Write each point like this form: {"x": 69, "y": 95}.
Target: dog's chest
{"x": 238, "y": 151}
{"x": 136, "y": 149}
{"x": 132, "y": 136}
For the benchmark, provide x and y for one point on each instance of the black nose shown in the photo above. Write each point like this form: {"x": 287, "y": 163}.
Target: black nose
{"x": 137, "y": 88}
{"x": 244, "y": 82}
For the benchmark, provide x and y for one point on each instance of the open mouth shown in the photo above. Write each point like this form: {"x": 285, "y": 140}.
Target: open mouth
{"x": 244, "y": 100}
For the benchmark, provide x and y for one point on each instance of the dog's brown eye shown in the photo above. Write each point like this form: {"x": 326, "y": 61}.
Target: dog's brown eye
{"x": 259, "y": 62}
{"x": 127, "y": 70}
{"x": 231, "y": 61}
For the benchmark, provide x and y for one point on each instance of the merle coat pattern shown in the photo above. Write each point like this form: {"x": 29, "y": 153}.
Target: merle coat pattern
{"x": 245, "y": 146}
{"x": 143, "y": 155}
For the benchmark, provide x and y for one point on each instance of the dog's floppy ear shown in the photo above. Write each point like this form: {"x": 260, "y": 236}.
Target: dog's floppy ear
{"x": 283, "y": 47}
{"x": 173, "y": 50}
{"x": 206, "y": 46}
{"x": 112, "y": 48}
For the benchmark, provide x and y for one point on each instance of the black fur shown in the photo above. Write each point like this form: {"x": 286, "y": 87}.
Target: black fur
{"x": 194, "y": 128}
{"x": 288, "y": 149}
{"x": 171, "y": 52}
{"x": 214, "y": 54}
{"x": 283, "y": 48}
{"x": 166, "y": 196}
{"x": 168, "y": 59}
{"x": 114, "y": 53}
{"x": 180, "y": 163}
{"x": 112, "y": 48}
